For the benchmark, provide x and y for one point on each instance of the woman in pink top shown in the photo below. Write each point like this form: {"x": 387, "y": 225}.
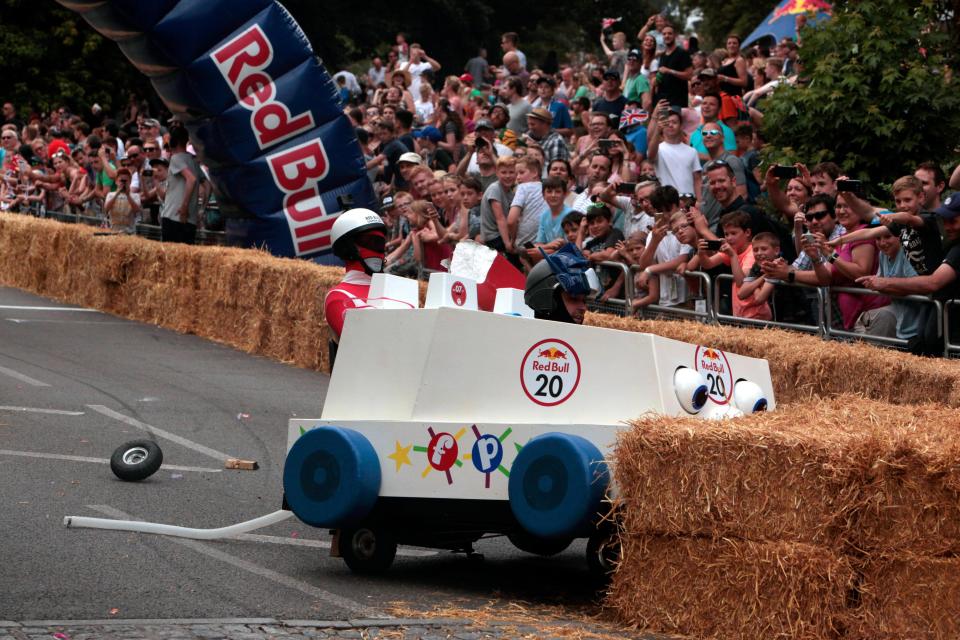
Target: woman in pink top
{"x": 850, "y": 262}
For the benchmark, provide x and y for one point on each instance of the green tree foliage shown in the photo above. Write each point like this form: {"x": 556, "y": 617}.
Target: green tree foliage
{"x": 879, "y": 99}
{"x": 723, "y": 18}
{"x": 51, "y": 56}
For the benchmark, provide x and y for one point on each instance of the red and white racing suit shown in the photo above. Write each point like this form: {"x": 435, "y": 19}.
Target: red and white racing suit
{"x": 351, "y": 293}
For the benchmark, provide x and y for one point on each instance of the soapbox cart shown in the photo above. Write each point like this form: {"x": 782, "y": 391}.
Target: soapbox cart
{"x": 445, "y": 425}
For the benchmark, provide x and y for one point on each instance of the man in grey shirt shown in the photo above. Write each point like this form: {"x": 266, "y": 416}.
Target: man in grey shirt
{"x": 185, "y": 182}
{"x": 713, "y": 141}
{"x": 511, "y": 93}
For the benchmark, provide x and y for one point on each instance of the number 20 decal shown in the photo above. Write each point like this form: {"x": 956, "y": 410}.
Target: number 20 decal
{"x": 550, "y": 372}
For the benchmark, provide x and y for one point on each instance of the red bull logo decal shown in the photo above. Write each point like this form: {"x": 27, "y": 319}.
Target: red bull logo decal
{"x": 243, "y": 63}
{"x": 715, "y": 367}
{"x": 794, "y": 7}
{"x": 550, "y": 372}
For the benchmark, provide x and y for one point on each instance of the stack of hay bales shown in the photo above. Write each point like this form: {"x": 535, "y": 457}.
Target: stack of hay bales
{"x": 837, "y": 518}
{"x": 247, "y": 299}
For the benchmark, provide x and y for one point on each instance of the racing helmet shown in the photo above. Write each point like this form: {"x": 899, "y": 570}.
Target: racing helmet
{"x": 568, "y": 271}
{"x": 349, "y": 225}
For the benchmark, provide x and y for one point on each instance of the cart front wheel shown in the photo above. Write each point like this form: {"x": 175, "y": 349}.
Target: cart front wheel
{"x": 367, "y": 550}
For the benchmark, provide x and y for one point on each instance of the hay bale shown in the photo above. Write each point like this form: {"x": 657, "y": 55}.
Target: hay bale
{"x": 847, "y": 473}
{"x": 908, "y": 597}
{"x": 730, "y": 589}
{"x": 805, "y": 366}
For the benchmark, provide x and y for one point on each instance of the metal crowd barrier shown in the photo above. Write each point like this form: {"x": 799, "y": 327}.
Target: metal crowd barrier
{"x": 149, "y": 231}
{"x": 618, "y": 306}
{"x": 948, "y": 346}
{"x": 706, "y": 315}
{"x": 883, "y": 340}
{"x": 819, "y": 328}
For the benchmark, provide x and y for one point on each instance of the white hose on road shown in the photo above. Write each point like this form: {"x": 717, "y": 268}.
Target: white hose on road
{"x": 179, "y": 532}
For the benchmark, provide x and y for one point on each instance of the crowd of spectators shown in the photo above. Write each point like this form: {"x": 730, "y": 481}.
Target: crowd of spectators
{"x": 121, "y": 171}
{"x": 646, "y": 155}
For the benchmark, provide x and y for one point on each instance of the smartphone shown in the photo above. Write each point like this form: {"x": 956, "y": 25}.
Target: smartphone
{"x": 481, "y": 142}
{"x": 784, "y": 172}
{"x": 850, "y": 186}
{"x": 808, "y": 238}
{"x": 528, "y": 245}
{"x": 626, "y": 188}
{"x": 714, "y": 245}
{"x": 606, "y": 145}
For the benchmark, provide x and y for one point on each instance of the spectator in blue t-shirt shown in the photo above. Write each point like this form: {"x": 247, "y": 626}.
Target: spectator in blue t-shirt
{"x": 550, "y": 230}
{"x": 562, "y": 122}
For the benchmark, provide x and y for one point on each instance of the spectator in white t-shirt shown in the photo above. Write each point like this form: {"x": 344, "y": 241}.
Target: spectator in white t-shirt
{"x": 678, "y": 164}
{"x": 419, "y": 63}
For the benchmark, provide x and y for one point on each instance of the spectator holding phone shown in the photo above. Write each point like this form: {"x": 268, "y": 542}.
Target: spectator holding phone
{"x": 601, "y": 246}
{"x": 664, "y": 252}
{"x": 917, "y": 230}
{"x": 736, "y": 251}
{"x": 677, "y": 162}
{"x": 122, "y": 207}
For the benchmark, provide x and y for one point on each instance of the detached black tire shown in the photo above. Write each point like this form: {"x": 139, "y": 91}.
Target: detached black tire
{"x": 136, "y": 460}
{"x": 604, "y": 551}
{"x": 367, "y": 550}
{"x": 537, "y": 545}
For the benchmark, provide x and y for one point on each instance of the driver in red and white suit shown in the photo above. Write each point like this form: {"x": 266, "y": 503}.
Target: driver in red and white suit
{"x": 359, "y": 239}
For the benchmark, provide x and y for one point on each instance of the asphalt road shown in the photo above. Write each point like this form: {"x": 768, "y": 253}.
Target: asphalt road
{"x": 75, "y": 384}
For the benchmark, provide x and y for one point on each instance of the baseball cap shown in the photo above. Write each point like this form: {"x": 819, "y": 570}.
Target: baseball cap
{"x": 484, "y": 123}
{"x": 541, "y": 114}
{"x": 466, "y": 77}
{"x": 431, "y": 133}
{"x": 950, "y": 208}
{"x": 151, "y": 122}
{"x": 411, "y": 157}
{"x": 707, "y": 72}
{"x": 634, "y": 54}
{"x": 388, "y": 203}
{"x": 611, "y": 73}
{"x": 547, "y": 80}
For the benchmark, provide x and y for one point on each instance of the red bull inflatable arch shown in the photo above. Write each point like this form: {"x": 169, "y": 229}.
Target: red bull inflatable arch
{"x": 261, "y": 109}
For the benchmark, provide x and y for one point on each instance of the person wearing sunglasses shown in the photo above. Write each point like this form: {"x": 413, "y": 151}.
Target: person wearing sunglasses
{"x": 713, "y": 136}
{"x": 359, "y": 239}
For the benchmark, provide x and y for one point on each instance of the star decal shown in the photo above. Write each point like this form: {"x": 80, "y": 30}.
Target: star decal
{"x": 401, "y": 455}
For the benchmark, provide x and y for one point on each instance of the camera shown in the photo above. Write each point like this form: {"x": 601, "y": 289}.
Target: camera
{"x": 784, "y": 172}
{"x": 481, "y": 142}
{"x": 808, "y": 238}
{"x": 850, "y": 186}
{"x": 147, "y": 173}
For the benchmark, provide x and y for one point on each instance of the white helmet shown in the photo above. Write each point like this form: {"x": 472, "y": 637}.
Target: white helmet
{"x": 350, "y": 223}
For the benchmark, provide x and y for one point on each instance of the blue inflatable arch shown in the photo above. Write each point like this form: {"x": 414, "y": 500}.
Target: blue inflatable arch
{"x": 261, "y": 109}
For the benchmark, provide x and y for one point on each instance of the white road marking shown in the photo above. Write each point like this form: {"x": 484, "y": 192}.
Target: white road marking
{"x": 320, "y": 544}
{"x": 36, "y": 321}
{"x": 59, "y": 456}
{"x": 23, "y": 378}
{"x": 56, "y": 412}
{"x": 190, "y": 444}
{"x": 75, "y": 309}
{"x": 208, "y": 550}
